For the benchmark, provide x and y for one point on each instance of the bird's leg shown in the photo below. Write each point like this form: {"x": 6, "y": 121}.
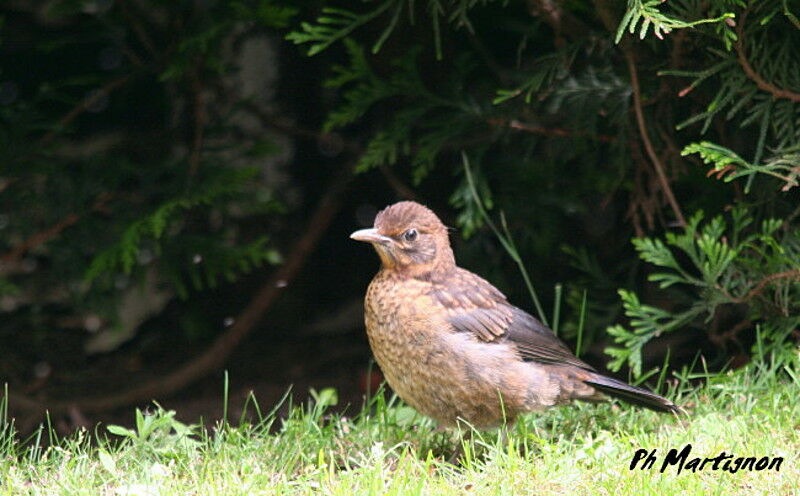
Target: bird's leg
{"x": 462, "y": 441}
{"x": 502, "y": 436}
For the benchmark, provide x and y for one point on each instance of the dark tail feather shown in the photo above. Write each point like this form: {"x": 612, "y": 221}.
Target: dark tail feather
{"x": 632, "y": 394}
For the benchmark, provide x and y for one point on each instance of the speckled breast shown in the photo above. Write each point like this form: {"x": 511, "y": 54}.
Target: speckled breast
{"x": 416, "y": 355}
{"x": 405, "y": 345}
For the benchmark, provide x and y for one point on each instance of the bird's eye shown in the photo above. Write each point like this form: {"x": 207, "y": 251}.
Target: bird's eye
{"x": 410, "y": 235}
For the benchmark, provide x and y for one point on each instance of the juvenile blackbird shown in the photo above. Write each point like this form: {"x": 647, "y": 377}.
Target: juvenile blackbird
{"x": 452, "y": 346}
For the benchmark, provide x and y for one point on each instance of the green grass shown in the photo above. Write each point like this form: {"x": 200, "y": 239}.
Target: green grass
{"x": 388, "y": 449}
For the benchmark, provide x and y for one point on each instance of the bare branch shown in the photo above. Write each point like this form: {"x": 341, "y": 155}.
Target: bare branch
{"x": 759, "y": 288}
{"x": 560, "y": 21}
{"x": 199, "y": 122}
{"x": 83, "y": 106}
{"x": 648, "y": 145}
{"x": 751, "y": 73}
{"x": 546, "y": 131}
{"x": 51, "y": 232}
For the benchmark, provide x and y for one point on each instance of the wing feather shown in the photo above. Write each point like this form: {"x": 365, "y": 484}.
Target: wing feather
{"x": 477, "y": 307}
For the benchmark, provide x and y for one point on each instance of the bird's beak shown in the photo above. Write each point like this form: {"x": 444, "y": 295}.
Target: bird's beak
{"x": 370, "y": 236}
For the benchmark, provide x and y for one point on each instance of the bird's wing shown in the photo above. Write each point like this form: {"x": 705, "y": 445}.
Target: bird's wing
{"x": 475, "y": 306}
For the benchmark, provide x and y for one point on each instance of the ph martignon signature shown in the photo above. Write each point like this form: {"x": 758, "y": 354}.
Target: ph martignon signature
{"x": 682, "y": 460}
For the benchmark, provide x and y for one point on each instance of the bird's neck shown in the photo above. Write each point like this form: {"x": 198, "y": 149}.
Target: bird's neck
{"x": 430, "y": 272}
{"x": 445, "y": 258}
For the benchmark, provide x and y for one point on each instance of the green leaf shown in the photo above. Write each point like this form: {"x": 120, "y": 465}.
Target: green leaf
{"x": 121, "y": 431}
{"x": 107, "y": 462}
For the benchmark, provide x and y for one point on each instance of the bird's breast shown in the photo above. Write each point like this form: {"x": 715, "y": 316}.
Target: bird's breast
{"x": 442, "y": 373}
{"x": 400, "y": 319}
{"x": 408, "y": 339}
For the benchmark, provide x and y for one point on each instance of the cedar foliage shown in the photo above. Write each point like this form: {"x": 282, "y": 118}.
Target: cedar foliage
{"x": 112, "y": 167}
{"x": 587, "y": 125}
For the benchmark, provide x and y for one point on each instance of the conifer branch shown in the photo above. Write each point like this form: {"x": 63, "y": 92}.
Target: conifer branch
{"x": 752, "y": 74}
{"x": 217, "y": 354}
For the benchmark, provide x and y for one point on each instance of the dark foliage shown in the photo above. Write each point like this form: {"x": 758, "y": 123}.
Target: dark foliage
{"x": 153, "y": 151}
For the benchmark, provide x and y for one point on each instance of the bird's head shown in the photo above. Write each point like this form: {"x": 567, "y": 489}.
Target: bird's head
{"x": 409, "y": 238}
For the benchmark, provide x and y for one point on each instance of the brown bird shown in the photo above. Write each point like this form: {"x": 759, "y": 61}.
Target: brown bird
{"x": 452, "y": 346}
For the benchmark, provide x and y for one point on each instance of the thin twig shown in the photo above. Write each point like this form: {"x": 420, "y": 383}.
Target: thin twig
{"x": 131, "y": 55}
{"x": 560, "y": 21}
{"x": 283, "y": 125}
{"x": 199, "y": 123}
{"x": 400, "y": 188}
{"x": 40, "y": 238}
{"x": 545, "y": 131}
{"x": 751, "y": 73}
{"x": 51, "y": 232}
{"x": 607, "y": 17}
{"x": 83, "y": 106}
{"x": 488, "y": 58}
{"x": 792, "y": 18}
{"x": 640, "y": 204}
{"x": 648, "y": 145}
{"x": 789, "y": 274}
{"x": 790, "y": 218}
{"x": 138, "y": 29}
{"x": 609, "y": 20}
{"x": 732, "y": 334}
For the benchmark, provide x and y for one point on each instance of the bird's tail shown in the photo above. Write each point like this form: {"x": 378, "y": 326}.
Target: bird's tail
{"x": 632, "y": 394}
